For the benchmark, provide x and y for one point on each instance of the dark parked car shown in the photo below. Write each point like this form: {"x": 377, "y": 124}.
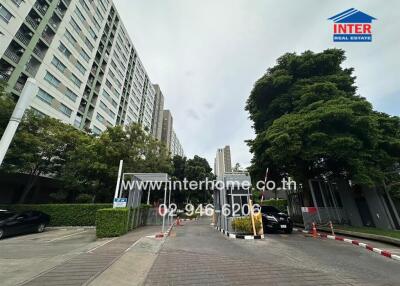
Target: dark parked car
{"x": 274, "y": 219}
{"x": 12, "y": 223}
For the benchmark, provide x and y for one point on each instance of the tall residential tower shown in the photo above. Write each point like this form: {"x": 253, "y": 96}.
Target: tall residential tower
{"x": 87, "y": 68}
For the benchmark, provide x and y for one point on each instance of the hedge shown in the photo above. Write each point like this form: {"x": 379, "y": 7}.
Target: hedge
{"x": 64, "y": 214}
{"x": 279, "y": 204}
{"x": 112, "y": 222}
{"x": 118, "y": 221}
{"x": 244, "y": 225}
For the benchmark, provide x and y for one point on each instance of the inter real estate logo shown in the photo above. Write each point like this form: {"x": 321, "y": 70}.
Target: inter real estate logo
{"x": 352, "y": 26}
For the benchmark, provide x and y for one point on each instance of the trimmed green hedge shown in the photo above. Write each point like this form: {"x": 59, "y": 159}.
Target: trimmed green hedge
{"x": 118, "y": 221}
{"x": 279, "y": 204}
{"x": 244, "y": 225}
{"x": 64, "y": 214}
{"x": 112, "y": 222}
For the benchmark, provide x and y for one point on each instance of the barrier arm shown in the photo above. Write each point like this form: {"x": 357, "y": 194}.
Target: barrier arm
{"x": 252, "y": 217}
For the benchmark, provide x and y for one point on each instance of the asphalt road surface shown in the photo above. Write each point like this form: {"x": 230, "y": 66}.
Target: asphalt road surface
{"x": 198, "y": 254}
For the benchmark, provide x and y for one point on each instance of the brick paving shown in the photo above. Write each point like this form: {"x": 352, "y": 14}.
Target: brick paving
{"x": 86, "y": 266}
{"x": 198, "y": 255}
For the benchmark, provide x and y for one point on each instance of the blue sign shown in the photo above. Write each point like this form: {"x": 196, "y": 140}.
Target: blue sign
{"x": 120, "y": 202}
{"x": 352, "y": 26}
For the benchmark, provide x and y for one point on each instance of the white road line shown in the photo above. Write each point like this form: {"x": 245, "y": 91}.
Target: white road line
{"x": 133, "y": 245}
{"x": 65, "y": 236}
{"x": 94, "y": 248}
{"x": 396, "y": 257}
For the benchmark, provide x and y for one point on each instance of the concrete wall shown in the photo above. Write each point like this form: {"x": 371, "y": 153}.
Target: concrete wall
{"x": 349, "y": 205}
{"x": 377, "y": 207}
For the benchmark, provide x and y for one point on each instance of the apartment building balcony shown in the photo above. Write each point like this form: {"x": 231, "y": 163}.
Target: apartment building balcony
{"x": 66, "y": 2}
{"x": 14, "y": 52}
{"x": 5, "y": 70}
{"x": 54, "y": 22}
{"x": 40, "y": 50}
{"x": 32, "y": 66}
{"x": 23, "y": 38}
{"x": 41, "y": 7}
{"x": 61, "y": 9}
{"x": 19, "y": 85}
{"x": 33, "y": 19}
{"x": 48, "y": 35}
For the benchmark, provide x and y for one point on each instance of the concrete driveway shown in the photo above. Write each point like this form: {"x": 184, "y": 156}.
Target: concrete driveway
{"x": 23, "y": 257}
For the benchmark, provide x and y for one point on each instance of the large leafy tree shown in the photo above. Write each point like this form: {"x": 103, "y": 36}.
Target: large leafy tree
{"x": 309, "y": 122}
{"x": 195, "y": 169}
{"x": 93, "y": 167}
{"x": 40, "y": 147}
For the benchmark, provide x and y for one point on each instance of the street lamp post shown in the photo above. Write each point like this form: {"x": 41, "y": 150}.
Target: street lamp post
{"x": 25, "y": 99}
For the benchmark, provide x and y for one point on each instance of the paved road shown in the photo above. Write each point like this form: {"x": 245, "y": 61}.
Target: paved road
{"x": 63, "y": 256}
{"x": 197, "y": 254}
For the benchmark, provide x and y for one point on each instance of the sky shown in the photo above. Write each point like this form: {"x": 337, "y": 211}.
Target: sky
{"x": 207, "y": 54}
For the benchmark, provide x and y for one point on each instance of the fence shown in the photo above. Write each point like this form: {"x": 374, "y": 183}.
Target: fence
{"x": 322, "y": 216}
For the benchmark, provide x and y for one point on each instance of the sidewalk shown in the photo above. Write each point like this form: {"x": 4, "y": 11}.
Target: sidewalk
{"x": 132, "y": 267}
{"x": 85, "y": 267}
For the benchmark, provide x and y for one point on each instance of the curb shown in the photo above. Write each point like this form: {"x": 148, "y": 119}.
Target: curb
{"x": 188, "y": 219}
{"x": 239, "y": 236}
{"x": 354, "y": 242}
{"x": 165, "y": 234}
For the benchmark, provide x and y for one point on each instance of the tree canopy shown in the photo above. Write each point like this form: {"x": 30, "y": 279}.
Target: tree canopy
{"x": 309, "y": 122}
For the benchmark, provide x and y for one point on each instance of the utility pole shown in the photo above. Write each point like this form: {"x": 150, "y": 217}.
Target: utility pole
{"x": 30, "y": 90}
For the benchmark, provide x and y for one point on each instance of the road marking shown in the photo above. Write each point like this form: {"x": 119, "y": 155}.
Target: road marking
{"x": 94, "y": 248}
{"x": 66, "y": 236}
{"x": 133, "y": 245}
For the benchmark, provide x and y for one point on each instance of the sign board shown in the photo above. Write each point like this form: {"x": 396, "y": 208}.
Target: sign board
{"x": 120, "y": 202}
{"x": 310, "y": 210}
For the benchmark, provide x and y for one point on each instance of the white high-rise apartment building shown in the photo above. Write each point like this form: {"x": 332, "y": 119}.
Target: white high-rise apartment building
{"x": 222, "y": 162}
{"x": 81, "y": 55}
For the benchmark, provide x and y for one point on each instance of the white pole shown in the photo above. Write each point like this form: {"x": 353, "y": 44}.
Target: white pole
{"x": 148, "y": 197}
{"x": 165, "y": 206}
{"x": 169, "y": 206}
{"x": 28, "y": 93}
{"x": 119, "y": 179}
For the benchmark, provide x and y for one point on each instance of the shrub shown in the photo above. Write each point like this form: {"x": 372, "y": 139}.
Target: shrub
{"x": 279, "y": 204}
{"x": 244, "y": 225}
{"x": 112, "y": 222}
{"x": 64, "y": 214}
{"x": 84, "y": 199}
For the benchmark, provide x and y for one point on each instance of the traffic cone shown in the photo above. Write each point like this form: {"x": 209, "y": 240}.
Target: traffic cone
{"x": 178, "y": 222}
{"x": 314, "y": 230}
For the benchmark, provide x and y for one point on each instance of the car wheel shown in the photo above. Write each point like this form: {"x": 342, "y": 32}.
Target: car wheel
{"x": 41, "y": 227}
{"x": 289, "y": 230}
{"x": 1, "y": 233}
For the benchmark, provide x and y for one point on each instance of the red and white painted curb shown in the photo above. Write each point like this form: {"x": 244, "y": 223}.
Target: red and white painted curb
{"x": 354, "y": 242}
{"x": 161, "y": 235}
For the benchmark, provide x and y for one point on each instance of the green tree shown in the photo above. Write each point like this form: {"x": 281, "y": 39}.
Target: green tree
{"x": 6, "y": 107}
{"x": 40, "y": 147}
{"x": 309, "y": 123}
{"x": 94, "y": 166}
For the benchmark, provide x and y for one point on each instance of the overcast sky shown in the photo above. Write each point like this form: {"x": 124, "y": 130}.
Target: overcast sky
{"x": 207, "y": 54}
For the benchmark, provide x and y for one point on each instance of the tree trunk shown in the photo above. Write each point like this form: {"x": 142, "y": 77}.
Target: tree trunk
{"x": 28, "y": 187}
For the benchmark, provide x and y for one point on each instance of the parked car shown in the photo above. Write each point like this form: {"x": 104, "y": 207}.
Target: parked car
{"x": 12, "y": 223}
{"x": 274, "y": 219}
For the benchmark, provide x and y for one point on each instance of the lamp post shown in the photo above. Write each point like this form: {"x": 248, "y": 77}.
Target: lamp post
{"x": 25, "y": 99}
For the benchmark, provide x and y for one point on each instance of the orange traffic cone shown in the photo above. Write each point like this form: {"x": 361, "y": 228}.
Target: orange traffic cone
{"x": 314, "y": 230}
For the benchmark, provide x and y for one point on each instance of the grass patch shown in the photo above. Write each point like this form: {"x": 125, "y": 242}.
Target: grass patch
{"x": 370, "y": 230}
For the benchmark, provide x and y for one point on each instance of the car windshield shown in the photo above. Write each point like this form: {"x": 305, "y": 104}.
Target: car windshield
{"x": 5, "y": 215}
{"x": 269, "y": 209}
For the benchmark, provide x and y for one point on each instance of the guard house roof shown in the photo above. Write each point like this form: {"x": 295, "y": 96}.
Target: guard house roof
{"x": 352, "y": 16}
